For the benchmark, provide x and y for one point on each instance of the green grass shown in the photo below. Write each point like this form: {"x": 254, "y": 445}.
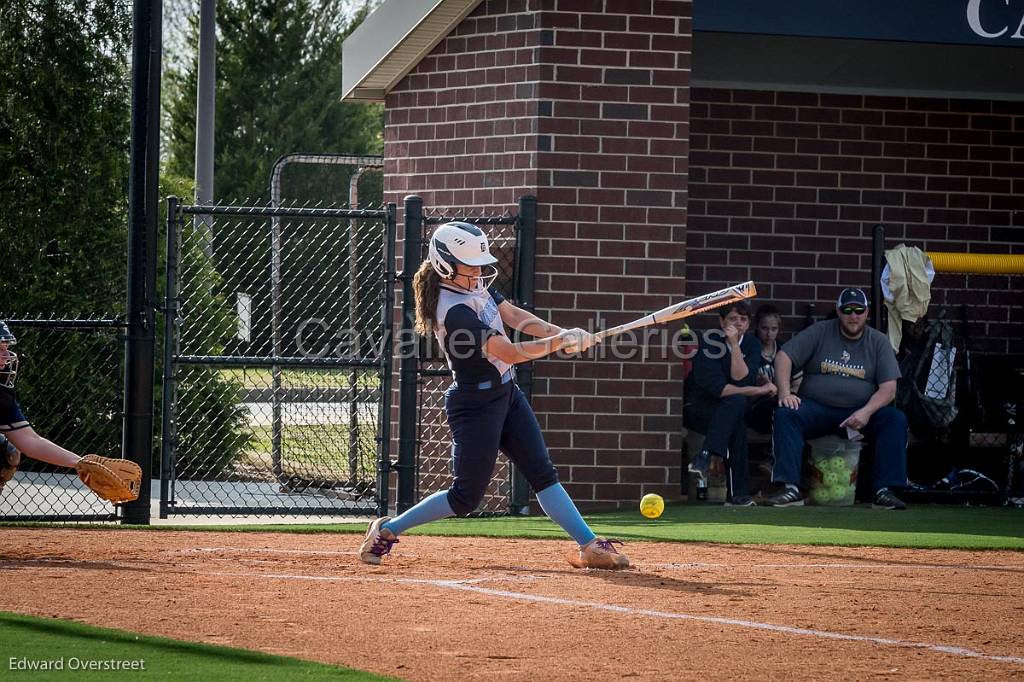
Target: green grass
{"x": 324, "y": 446}
{"x": 932, "y": 527}
{"x": 45, "y": 639}
{"x": 921, "y": 526}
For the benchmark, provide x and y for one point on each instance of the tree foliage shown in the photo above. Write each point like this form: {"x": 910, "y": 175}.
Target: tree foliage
{"x": 278, "y": 82}
{"x": 64, "y": 152}
{"x": 64, "y": 124}
{"x": 278, "y": 92}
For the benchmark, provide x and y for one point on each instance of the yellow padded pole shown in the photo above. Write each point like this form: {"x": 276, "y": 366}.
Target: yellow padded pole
{"x": 978, "y": 263}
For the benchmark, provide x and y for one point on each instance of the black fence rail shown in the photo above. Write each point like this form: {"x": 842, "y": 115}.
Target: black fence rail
{"x": 70, "y": 387}
{"x": 277, "y": 362}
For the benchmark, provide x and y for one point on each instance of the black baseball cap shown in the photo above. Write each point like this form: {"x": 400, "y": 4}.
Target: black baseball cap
{"x": 852, "y": 296}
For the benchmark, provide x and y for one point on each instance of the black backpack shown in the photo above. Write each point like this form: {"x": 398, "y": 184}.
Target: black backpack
{"x": 927, "y": 391}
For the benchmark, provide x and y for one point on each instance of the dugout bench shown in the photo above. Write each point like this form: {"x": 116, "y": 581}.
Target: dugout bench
{"x": 759, "y": 460}
{"x": 760, "y": 463}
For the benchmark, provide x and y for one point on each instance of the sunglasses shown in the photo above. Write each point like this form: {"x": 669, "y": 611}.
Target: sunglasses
{"x": 853, "y": 310}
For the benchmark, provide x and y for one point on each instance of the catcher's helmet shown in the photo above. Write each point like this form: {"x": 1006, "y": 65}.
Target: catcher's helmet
{"x": 455, "y": 243}
{"x": 8, "y": 358}
{"x": 6, "y": 335}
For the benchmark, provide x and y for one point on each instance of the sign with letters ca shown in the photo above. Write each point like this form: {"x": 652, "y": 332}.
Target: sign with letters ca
{"x": 962, "y": 22}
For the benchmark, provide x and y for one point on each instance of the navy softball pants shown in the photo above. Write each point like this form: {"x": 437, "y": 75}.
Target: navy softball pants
{"x": 484, "y": 422}
{"x": 725, "y": 434}
{"x": 887, "y": 430}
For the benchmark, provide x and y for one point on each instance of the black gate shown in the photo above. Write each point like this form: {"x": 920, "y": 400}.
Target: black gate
{"x": 424, "y": 441}
{"x": 277, "y": 360}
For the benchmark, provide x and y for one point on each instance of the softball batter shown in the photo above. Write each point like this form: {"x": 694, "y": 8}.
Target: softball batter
{"x": 486, "y": 410}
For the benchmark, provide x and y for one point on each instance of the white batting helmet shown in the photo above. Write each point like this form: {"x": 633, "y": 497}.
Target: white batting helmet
{"x": 455, "y": 243}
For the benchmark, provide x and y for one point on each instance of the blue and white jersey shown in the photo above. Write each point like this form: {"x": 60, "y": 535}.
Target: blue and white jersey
{"x": 464, "y": 323}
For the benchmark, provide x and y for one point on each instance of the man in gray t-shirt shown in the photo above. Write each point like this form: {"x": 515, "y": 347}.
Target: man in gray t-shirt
{"x": 850, "y": 373}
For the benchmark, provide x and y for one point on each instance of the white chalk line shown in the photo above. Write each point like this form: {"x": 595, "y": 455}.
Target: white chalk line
{"x": 269, "y": 550}
{"x": 75, "y": 565}
{"x": 469, "y": 586}
{"x": 671, "y": 565}
{"x": 361, "y": 579}
{"x": 262, "y": 550}
{"x": 876, "y": 566}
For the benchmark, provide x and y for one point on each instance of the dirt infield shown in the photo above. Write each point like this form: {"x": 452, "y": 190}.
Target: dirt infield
{"x": 485, "y": 609}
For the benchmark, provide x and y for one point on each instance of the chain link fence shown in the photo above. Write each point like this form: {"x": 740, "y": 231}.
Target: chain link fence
{"x": 277, "y": 360}
{"x": 276, "y": 374}
{"x": 70, "y": 387}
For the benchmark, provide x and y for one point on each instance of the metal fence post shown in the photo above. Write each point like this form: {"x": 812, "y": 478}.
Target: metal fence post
{"x": 526, "y": 250}
{"x": 877, "y": 263}
{"x": 142, "y": 233}
{"x": 386, "y": 360}
{"x": 353, "y": 314}
{"x": 276, "y": 296}
{"x": 409, "y": 362}
{"x": 169, "y": 430}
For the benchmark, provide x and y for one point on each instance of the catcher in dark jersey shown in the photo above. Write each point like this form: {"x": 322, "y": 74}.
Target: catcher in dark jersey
{"x": 486, "y": 410}
{"x": 114, "y": 480}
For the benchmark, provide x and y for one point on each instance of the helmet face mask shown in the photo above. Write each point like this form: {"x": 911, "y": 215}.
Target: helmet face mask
{"x": 484, "y": 280}
{"x": 8, "y": 367}
{"x": 454, "y": 244}
{"x": 8, "y": 358}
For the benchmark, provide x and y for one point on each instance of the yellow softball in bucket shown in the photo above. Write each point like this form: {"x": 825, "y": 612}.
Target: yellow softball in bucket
{"x": 652, "y": 505}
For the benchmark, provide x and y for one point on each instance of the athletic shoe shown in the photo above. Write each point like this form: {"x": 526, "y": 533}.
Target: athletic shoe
{"x": 787, "y": 497}
{"x": 599, "y": 553}
{"x": 884, "y": 499}
{"x": 377, "y": 543}
{"x": 741, "y": 501}
{"x": 700, "y": 464}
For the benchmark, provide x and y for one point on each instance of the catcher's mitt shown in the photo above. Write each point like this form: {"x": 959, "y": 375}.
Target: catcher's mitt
{"x": 10, "y": 458}
{"x": 115, "y": 480}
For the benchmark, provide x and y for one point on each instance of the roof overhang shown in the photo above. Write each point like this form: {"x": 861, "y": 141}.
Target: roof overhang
{"x": 392, "y": 40}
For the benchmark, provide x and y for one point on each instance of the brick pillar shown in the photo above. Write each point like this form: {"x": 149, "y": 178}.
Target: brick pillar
{"x": 613, "y": 131}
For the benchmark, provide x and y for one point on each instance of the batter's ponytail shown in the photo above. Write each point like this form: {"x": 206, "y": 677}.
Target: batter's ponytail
{"x": 426, "y": 284}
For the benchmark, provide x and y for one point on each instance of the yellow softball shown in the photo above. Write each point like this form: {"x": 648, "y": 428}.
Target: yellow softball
{"x": 652, "y": 505}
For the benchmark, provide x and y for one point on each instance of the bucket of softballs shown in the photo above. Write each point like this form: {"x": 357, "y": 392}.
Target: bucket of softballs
{"x": 833, "y": 472}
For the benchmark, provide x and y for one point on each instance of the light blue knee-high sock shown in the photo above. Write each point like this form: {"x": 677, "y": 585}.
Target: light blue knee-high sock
{"x": 560, "y": 508}
{"x": 429, "y": 509}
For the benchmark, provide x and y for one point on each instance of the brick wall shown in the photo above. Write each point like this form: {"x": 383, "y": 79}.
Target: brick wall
{"x": 786, "y": 187}
{"x": 460, "y": 129}
{"x": 583, "y": 103}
